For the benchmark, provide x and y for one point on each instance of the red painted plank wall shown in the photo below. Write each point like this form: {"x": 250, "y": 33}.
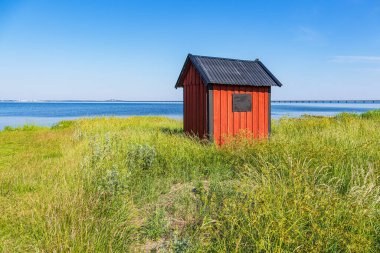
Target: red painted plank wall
{"x": 226, "y": 122}
{"x": 195, "y": 104}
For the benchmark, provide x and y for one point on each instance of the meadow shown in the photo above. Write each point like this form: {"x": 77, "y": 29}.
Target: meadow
{"x": 140, "y": 184}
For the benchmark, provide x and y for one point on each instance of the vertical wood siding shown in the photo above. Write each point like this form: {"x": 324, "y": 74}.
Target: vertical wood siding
{"x": 195, "y": 104}
{"x": 226, "y": 122}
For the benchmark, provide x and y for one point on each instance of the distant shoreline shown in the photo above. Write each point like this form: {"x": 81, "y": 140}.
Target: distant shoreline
{"x": 361, "y": 101}
{"x": 349, "y": 101}
{"x": 84, "y": 101}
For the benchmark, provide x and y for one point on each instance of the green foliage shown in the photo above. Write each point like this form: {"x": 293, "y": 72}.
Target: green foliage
{"x": 8, "y": 128}
{"x": 22, "y": 128}
{"x": 141, "y": 184}
{"x": 180, "y": 245}
{"x": 63, "y": 124}
{"x": 375, "y": 114}
{"x": 140, "y": 156}
{"x": 156, "y": 225}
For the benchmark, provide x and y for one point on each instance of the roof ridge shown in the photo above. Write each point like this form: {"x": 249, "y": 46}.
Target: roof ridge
{"x": 222, "y": 58}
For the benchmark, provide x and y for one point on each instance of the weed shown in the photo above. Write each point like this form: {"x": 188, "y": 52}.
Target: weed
{"x": 140, "y": 156}
{"x": 112, "y": 185}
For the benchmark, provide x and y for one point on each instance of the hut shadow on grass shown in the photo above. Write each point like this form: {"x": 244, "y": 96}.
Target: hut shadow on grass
{"x": 181, "y": 132}
{"x": 172, "y": 131}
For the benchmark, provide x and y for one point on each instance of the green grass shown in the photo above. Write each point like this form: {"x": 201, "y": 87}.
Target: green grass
{"x": 140, "y": 184}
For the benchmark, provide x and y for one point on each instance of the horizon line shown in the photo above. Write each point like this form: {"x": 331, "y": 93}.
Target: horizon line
{"x": 181, "y": 101}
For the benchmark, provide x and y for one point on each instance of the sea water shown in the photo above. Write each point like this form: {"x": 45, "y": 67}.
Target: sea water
{"x": 49, "y": 113}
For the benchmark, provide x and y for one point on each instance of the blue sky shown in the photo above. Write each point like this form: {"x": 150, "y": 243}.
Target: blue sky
{"x": 134, "y": 50}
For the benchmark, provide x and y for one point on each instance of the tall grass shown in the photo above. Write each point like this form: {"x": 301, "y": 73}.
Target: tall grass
{"x": 141, "y": 184}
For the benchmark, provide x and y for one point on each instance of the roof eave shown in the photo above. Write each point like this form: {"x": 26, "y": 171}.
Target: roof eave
{"x": 269, "y": 73}
{"x": 181, "y": 76}
{"x": 248, "y": 84}
{"x": 200, "y": 70}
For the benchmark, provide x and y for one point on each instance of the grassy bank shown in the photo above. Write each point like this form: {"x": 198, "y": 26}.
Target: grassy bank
{"x": 138, "y": 184}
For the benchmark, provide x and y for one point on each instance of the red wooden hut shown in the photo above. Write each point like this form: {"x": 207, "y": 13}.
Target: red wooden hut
{"x": 223, "y": 97}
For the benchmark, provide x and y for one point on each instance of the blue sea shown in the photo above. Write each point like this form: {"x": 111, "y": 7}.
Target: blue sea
{"x": 49, "y": 113}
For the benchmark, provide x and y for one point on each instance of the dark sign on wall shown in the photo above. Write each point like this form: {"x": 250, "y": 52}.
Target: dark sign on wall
{"x": 241, "y": 102}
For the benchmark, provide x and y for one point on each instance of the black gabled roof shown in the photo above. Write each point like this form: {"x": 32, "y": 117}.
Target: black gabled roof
{"x": 214, "y": 70}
